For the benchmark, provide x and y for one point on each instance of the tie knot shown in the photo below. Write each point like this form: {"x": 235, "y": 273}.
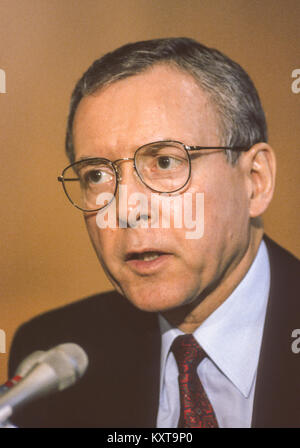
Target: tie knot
{"x": 187, "y": 352}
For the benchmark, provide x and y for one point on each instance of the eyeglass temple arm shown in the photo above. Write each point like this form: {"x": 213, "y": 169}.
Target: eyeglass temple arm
{"x": 233, "y": 148}
{"x": 61, "y": 179}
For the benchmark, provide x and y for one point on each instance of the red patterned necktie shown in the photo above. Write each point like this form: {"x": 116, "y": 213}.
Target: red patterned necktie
{"x": 196, "y": 409}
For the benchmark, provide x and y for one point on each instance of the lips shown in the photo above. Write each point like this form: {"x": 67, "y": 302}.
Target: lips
{"x": 146, "y": 261}
{"x": 148, "y": 255}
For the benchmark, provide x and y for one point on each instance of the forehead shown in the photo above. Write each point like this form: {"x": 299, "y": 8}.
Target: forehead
{"x": 161, "y": 103}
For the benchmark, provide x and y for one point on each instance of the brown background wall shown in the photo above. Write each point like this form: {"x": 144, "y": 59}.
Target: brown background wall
{"x": 46, "y": 259}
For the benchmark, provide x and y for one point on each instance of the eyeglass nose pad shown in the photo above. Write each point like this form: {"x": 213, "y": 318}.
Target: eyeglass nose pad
{"x": 118, "y": 172}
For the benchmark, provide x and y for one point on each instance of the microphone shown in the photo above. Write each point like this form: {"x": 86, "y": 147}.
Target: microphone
{"x": 42, "y": 373}
{"x": 22, "y": 370}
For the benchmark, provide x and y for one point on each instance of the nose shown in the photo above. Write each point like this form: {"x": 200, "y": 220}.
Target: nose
{"x": 133, "y": 197}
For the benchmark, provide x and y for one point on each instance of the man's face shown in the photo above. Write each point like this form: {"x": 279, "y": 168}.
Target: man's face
{"x": 164, "y": 104}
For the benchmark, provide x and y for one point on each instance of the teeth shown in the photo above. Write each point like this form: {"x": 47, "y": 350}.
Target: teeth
{"x": 148, "y": 256}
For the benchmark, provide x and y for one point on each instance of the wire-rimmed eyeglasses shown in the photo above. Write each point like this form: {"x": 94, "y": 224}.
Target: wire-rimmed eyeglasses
{"x": 164, "y": 167}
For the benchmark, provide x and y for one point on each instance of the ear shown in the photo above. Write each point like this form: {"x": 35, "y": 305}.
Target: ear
{"x": 260, "y": 166}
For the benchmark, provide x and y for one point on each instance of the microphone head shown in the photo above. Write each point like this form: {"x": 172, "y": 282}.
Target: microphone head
{"x": 77, "y": 355}
{"x": 69, "y": 361}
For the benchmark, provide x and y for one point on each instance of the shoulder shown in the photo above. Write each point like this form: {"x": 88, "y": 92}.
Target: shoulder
{"x": 279, "y": 367}
{"x": 285, "y": 274}
{"x": 85, "y": 322}
{"x": 281, "y": 257}
{"x": 119, "y": 341}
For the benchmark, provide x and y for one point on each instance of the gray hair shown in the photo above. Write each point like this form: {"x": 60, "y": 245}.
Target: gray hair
{"x": 230, "y": 89}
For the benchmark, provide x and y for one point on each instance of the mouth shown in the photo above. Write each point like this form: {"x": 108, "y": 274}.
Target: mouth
{"x": 147, "y": 261}
{"x": 144, "y": 256}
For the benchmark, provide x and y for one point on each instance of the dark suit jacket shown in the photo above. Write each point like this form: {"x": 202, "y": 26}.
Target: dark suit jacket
{"x": 121, "y": 386}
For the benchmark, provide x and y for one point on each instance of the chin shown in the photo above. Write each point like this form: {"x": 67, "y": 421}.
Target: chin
{"x": 153, "y": 301}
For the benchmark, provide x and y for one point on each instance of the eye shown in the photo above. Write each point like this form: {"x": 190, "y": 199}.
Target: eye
{"x": 96, "y": 177}
{"x": 167, "y": 162}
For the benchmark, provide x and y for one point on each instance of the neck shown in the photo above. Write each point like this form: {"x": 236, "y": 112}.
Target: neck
{"x": 189, "y": 317}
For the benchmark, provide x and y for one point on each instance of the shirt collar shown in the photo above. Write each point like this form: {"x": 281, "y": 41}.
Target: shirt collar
{"x": 231, "y": 335}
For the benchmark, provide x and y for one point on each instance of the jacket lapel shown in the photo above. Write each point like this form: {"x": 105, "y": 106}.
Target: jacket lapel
{"x": 276, "y": 402}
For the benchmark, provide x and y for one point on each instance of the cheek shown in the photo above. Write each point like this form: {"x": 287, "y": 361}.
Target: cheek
{"x": 102, "y": 239}
{"x": 225, "y": 206}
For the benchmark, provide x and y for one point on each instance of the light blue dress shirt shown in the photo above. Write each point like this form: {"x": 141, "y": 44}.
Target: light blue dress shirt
{"x": 231, "y": 336}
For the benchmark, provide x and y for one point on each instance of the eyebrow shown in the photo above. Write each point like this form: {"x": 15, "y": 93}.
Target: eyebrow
{"x": 82, "y": 158}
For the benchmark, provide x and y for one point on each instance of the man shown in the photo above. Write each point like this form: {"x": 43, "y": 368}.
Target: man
{"x": 137, "y": 118}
